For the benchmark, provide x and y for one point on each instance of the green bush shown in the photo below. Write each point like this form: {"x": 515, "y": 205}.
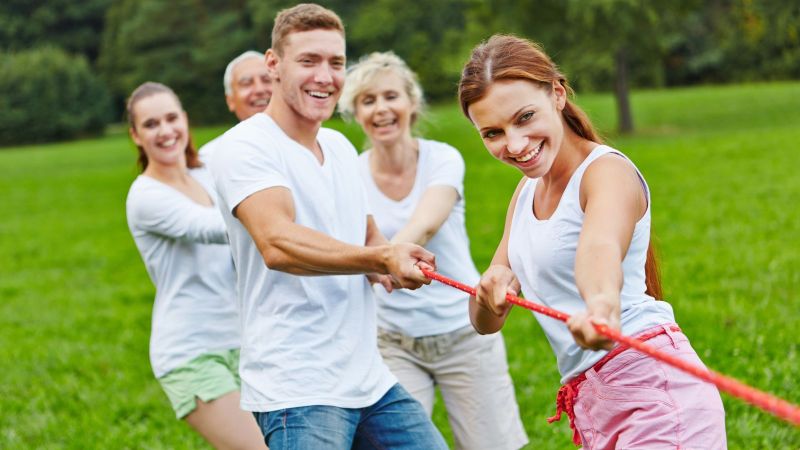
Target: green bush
{"x": 47, "y": 94}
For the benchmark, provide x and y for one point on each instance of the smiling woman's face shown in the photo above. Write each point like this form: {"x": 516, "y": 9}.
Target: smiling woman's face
{"x": 520, "y": 124}
{"x": 161, "y": 129}
{"x": 384, "y": 109}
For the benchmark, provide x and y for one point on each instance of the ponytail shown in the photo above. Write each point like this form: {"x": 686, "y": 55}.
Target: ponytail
{"x": 652, "y": 275}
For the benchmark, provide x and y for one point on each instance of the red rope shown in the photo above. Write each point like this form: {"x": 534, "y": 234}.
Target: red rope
{"x": 777, "y": 406}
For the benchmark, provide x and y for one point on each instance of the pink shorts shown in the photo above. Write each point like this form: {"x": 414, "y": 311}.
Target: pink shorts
{"x": 636, "y": 402}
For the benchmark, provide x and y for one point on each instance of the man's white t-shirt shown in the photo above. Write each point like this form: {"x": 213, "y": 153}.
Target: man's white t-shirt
{"x": 307, "y": 340}
{"x": 207, "y": 151}
{"x": 435, "y": 308}
{"x": 185, "y": 250}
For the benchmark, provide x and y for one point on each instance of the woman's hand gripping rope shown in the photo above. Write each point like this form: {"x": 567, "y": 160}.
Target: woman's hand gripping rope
{"x": 762, "y": 400}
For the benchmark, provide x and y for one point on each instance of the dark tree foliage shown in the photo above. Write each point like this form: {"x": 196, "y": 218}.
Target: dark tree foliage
{"x": 46, "y": 95}
{"x": 609, "y": 45}
{"x": 736, "y": 40}
{"x": 428, "y": 35}
{"x": 619, "y": 39}
{"x": 606, "y": 45}
{"x": 75, "y": 26}
{"x": 184, "y": 44}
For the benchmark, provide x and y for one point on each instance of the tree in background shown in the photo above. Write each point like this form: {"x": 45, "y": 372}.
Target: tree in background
{"x": 184, "y": 44}
{"x": 46, "y": 95}
{"x": 594, "y": 42}
{"x": 619, "y": 44}
{"x": 48, "y": 90}
{"x": 734, "y": 41}
{"x": 72, "y": 25}
{"x": 428, "y": 35}
{"x": 612, "y": 45}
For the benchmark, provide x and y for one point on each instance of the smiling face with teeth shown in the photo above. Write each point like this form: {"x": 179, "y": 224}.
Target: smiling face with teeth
{"x": 251, "y": 88}
{"x": 384, "y": 109}
{"x": 521, "y": 124}
{"x": 307, "y": 76}
{"x": 161, "y": 130}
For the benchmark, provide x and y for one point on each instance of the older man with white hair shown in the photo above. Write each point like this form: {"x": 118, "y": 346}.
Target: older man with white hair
{"x": 248, "y": 89}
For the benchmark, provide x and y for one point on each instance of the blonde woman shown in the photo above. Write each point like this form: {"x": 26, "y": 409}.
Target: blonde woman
{"x": 415, "y": 190}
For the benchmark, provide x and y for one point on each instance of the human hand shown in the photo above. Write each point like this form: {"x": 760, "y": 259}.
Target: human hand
{"x": 600, "y": 311}
{"x": 383, "y": 280}
{"x": 405, "y": 264}
{"x": 494, "y": 285}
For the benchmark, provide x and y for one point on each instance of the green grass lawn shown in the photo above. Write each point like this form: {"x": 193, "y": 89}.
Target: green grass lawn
{"x": 75, "y": 299}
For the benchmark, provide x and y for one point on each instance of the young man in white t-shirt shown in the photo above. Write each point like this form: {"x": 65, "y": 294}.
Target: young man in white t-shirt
{"x": 302, "y": 239}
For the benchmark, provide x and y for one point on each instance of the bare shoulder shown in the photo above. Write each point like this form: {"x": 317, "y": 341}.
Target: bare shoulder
{"x": 611, "y": 169}
{"x": 613, "y": 180}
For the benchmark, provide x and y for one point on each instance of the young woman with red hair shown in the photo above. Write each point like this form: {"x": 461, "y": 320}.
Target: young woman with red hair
{"x": 577, "y": 239}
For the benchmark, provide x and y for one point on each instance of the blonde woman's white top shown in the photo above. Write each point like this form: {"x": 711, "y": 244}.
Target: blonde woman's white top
{"x": 435, "y": 308}
{"x": 185, "y": 250}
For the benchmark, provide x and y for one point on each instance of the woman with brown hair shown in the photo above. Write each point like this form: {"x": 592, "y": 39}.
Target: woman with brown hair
{"x": 194, "y": 342}
{"x": 577, "y": 239}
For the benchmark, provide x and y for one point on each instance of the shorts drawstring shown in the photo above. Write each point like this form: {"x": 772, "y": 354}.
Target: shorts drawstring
{"x": 565, "y": 402}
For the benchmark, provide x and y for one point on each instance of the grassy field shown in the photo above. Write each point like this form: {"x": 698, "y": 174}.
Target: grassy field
{"x": 721, "y": 162}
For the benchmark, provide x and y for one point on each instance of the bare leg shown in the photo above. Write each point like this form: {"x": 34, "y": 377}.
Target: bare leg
{"x": 224, "y": 425}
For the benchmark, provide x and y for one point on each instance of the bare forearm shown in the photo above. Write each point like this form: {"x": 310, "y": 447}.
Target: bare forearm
{"x": 598, "y": 275}
{"x": 301, "y": 250}
{"x": 430, "y": 213}
{"x": 483, "y": 320}
{"x": 374, "y": 235}
{"x": 293, "y": 248}
{"x": 414, "y": 233}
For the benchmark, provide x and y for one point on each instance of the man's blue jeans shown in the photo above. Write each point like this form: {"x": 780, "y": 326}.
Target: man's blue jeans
{"x": 396, "y": 421}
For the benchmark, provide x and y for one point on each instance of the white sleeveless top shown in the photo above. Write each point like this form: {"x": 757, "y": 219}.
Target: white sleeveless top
{"x": 542, "y": 255}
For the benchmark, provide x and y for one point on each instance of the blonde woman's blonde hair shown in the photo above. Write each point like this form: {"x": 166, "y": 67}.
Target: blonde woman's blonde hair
{"x": 366, "y": 70}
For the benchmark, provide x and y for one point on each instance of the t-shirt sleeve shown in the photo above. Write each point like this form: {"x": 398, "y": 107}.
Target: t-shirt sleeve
{"x": 446, "y": 168}
{"x": 166, "y": 213}
{"x": 206, "y": 151}
{"x": 243, "y": 170}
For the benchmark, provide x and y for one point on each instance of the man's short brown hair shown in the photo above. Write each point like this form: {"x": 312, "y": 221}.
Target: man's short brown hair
{"x": 303, "y": 17}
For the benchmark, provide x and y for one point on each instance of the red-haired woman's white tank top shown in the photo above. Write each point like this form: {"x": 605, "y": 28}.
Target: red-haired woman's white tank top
{"x": 542, "y": 255}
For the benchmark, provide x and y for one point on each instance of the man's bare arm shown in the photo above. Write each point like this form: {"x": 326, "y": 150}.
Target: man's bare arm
{"x": 269, "y": 217}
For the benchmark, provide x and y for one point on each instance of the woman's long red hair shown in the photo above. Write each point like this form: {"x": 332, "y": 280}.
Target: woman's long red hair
{"x": 505, "y": 57}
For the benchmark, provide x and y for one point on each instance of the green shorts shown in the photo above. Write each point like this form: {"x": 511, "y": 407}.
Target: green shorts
{"x": 207, "y": 377}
